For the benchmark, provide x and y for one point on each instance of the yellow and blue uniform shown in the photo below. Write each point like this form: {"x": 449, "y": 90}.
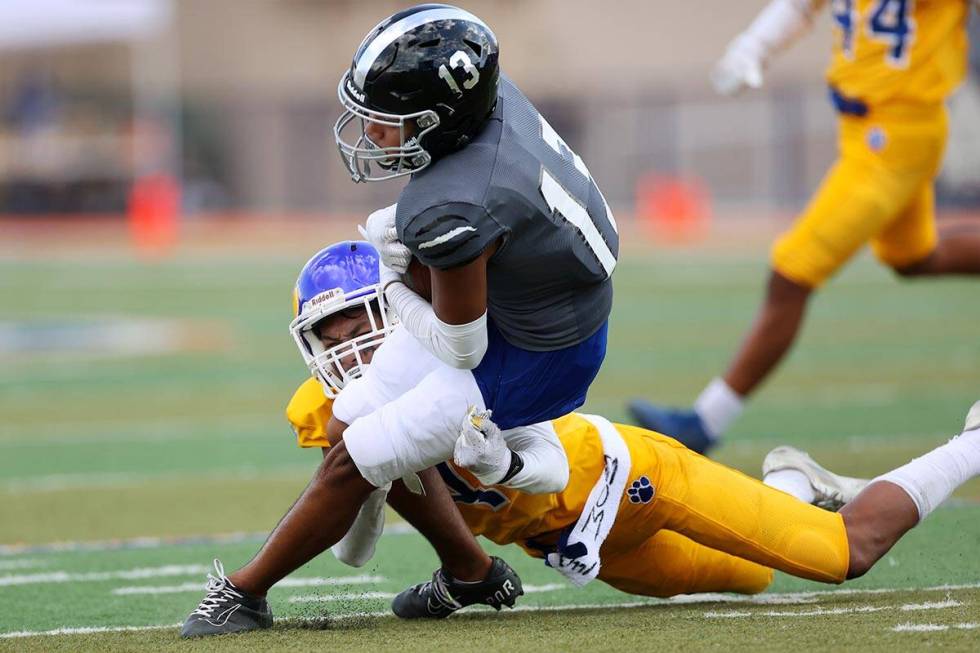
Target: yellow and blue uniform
{"x": 894, "y": 64}
{"x": 686, "y": 524}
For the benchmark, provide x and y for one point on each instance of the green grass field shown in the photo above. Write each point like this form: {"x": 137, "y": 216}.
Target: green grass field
{"x": 123, "y": 472}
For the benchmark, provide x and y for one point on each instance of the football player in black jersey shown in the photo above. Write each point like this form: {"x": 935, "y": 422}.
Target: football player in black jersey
{"x": 520, "y": 245}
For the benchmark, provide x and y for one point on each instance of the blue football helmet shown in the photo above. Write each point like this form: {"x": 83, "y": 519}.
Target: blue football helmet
{"x": 338, "y": 278}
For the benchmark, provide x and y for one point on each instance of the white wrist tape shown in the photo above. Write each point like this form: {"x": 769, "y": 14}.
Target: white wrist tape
{"x": 545, "y": 461}
{"x": 458, "y": 345}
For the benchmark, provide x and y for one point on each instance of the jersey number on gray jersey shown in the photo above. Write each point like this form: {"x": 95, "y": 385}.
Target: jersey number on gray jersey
{"x": 574, "y": 211}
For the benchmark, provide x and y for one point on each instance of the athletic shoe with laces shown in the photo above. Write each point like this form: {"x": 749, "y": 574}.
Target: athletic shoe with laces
{"x": 226, "y": 609}
{"x": 682, "y": 424}
{"x": 444, "y": 595}
{"x": 832, "y": 491}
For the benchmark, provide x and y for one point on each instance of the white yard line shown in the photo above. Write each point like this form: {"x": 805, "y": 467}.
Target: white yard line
{"x": 75, "y": 546}
{"x": 816, "y": 612}
{"x": 313, "y": 581}
{"x": 72, "y": 546}
{"x": 935, "y": 605}
{"x": 25, "y": 563}
{"x": 819, "y": 612}
{"x": 84, "y": 630}
{"x": 910, "y": 627}
{"x": 111, "y": 480}
{"x": 919, "y": 628}
{"x": 119, "y": 431}
{"x": 125, "y": 574}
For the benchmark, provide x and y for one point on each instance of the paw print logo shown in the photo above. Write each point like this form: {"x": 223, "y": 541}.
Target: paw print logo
{"x": 877, "y": 139}
{"x": 640, "y": 491}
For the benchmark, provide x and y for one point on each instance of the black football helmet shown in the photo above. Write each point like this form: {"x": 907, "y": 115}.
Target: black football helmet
{"x": 431, "y": 71}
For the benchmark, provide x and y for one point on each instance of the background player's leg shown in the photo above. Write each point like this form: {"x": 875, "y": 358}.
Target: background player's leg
{"x": 957, "y": 252}
{"x": 668, "y": 564}
{"x": 771, "y": 336}
{"x": 436, "y": 517}
{"x": 912, "y": 247}
{"x": 860, "y": 196}
{"x": 719, "y": 405}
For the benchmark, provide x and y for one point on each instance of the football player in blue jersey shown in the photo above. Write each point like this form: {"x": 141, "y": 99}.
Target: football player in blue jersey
{"x": 520, "y": 245}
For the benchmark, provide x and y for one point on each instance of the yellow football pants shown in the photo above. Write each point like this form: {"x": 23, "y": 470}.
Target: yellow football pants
{"x": 710, "y": 528}
{"x": 880, "y": 190}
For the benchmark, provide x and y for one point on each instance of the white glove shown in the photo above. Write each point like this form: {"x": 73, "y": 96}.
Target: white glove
{"x": 380, "y": 231}
{"x": 777, "y": 26}
{"x": 740, "y": 67}
{"x": 481, "y": 449}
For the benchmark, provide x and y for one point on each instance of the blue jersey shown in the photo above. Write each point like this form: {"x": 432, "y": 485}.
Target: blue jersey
{"x": 525, "y": 387}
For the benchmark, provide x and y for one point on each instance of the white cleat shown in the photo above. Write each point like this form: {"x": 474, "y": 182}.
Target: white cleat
{"x": 973, "y": 418}
{"x": 831, "y": 491}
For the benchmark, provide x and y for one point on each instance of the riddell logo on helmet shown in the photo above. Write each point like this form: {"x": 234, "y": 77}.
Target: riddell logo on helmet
{"x": 325, "y": 297}
{"x": 354, "y": 91}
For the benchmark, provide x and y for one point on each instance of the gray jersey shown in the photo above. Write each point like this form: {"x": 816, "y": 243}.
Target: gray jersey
{"x": 549, "y": 284}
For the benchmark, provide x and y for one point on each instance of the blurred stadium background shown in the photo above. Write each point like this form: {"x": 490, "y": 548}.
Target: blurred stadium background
{"x": 166, "y": 166}
{"x": 235, "y": 100}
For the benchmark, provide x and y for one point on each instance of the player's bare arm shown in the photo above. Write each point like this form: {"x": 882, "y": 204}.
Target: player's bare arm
{"x": 459, "y": 295}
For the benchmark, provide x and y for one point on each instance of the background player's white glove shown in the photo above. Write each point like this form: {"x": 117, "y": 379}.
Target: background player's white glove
{"x": 740, "y": 68}
{"x": 481, "y": 449}
{"x": 380, "y": 231}
{"x": 778, "y": 25}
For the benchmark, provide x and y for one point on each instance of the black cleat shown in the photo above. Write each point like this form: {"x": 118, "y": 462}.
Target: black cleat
{"x": 444, "y": 595}
{"x": 226, "y": 609}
